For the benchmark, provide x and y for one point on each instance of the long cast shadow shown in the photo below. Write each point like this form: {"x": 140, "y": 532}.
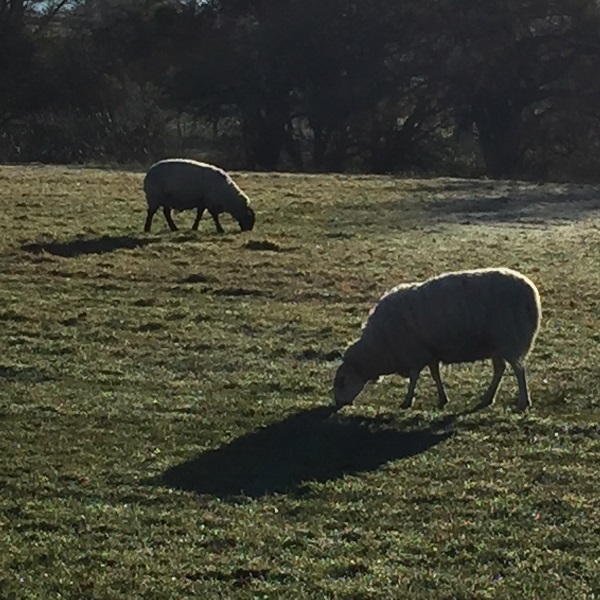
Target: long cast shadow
{"x": 78, "y": 247}
{"x": 304, "y": 447}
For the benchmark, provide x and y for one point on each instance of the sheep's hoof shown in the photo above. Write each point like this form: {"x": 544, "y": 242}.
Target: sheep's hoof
{"x": 521, "y": 408}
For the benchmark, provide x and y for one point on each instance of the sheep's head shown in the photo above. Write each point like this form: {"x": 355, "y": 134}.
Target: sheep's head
{"x": 246, "y": 220}
{"x": 348, "y": 384}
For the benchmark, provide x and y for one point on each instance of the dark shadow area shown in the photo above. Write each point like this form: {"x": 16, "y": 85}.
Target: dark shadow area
{"x": 263, "y": 245}
{"x": 504, "y": 203}
{"x": 24, "y": 374}
{"x": 10, "y": 316}
{"x": 74, "y": 248}
{"x": 314, "y": 445}
{"x": 242, "y": 292}
{"x": 197, "y": 278}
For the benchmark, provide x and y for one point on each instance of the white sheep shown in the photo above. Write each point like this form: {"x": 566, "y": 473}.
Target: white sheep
{"x": 458, "y": 317}
{"x": 183, "y": 184}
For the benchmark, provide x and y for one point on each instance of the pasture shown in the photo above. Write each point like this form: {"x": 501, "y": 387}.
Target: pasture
{"x": 165, "y": 419}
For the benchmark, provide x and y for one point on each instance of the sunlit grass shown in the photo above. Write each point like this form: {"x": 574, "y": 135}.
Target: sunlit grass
{"x": 165, "y": 429}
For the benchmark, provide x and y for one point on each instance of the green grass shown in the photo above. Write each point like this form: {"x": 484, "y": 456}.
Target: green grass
{"x": 165, "y": 420}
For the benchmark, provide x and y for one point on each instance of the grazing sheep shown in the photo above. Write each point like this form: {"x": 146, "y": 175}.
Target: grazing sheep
{"x": 453, "y": 318}
{"x": 183, "y": 184}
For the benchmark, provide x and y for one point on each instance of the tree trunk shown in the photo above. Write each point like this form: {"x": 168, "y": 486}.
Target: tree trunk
{"x": 497, "y": 124}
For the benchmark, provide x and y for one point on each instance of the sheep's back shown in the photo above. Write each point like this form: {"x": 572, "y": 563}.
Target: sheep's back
{"x": 184, "y": 184}
{"x": 460, "y": 317}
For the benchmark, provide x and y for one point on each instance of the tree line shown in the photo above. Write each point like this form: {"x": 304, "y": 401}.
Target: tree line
{"x": 508, "y": 89}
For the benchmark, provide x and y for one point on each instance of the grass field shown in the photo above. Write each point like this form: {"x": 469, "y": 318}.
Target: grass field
{"x": 165, "y": 420}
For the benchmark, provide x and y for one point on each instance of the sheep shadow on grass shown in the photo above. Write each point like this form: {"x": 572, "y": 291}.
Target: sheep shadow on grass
{"x": 310, "y": 446}
{"x": 77, "y": 247}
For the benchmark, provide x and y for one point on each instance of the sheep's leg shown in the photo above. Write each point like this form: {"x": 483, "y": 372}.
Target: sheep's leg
{"x": 523, "y": 402}
{"x": 148, "y": 224}
{"x": 499, "y": 368}
{"x": 215, "y": 217}
{"x": 434, "y": 368}
{"x": 199, "y": 214}
{"x": 410, "y": 393}
{"x": 170, "y": 222}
